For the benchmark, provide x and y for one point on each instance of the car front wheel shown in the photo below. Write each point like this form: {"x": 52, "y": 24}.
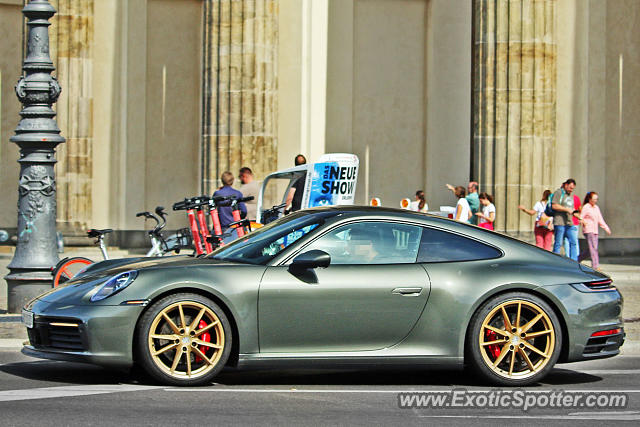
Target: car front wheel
{"x": 514, "y": 339}
{"x": 184, "y": 339}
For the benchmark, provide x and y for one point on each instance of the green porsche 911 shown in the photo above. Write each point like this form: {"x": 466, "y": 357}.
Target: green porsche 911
{"x": 341, "y": 286}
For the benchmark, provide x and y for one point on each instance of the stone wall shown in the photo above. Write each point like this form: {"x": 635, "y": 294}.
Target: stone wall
{"x": 514, "y": 103}
{"x": 71, "y": 45}
{"x": 239, "y": 125}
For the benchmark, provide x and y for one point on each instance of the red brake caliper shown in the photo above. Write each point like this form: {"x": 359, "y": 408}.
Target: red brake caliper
{"x": 494, "y": 349}
{"x": 206, "y": 337}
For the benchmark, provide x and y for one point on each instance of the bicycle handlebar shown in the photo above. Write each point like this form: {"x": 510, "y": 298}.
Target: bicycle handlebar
{"x": 274, "y": 209}
{"x": 159, "y": 225}
{"x": 195, "y": 202}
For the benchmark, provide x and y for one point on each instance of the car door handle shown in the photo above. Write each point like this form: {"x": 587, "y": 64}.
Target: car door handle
{"x": 407, "y": 292}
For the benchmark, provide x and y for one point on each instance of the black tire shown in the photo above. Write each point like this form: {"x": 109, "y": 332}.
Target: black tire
{"x": 529, "y": 354}
{"x": 183, "y": 341}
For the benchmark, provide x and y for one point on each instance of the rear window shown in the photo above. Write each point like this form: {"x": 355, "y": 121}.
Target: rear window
{"x": 442, "y": 246}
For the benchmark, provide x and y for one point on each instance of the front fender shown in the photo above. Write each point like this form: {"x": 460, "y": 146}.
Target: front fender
{"x": 234, "y": 287}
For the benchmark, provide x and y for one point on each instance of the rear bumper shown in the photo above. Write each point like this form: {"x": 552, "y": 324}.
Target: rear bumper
{"x": 585, "y": 313}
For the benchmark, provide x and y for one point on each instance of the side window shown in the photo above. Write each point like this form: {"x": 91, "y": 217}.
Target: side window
{"x": 371, "y": 243}
{"x": 283, "y": 242}
{"x": 441, "y": 246}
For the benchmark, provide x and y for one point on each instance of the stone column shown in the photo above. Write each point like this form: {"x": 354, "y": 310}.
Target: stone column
{"x": 514, "y": 97}
{"x": 71, "y": 53}
{"x": 37, "y": 135}
{"x": 239, "y": 88}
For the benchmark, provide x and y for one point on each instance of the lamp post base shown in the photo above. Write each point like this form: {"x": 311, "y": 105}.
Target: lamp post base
{"x": 23, "y": 286}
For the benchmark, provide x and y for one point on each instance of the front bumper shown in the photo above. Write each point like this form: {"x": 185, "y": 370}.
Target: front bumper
{"x": 97, "y": 334}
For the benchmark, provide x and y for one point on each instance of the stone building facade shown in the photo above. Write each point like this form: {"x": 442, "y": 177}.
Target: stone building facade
{"x": 160, "y": 96}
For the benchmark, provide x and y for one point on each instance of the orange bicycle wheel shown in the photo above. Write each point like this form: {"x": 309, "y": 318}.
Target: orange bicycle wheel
{"x": 68, "y": 268}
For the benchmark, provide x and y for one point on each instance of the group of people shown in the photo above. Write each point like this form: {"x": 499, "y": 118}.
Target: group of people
{"x": 249, "y": 188}
{"x": 567, "y": 213}
{"x": 556, "y": 229}
{"x": 473, "y": 207}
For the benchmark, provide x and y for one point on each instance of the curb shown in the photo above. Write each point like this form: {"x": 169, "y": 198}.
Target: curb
{"x": 10, "y": 344}
{"x": 630, "y": 348}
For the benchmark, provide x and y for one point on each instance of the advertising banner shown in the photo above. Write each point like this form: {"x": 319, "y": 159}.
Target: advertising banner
{"x": 331, "y": 181}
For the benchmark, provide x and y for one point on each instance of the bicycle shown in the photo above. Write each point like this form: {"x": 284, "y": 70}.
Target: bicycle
{"x": 70, "y": 266}
{"x": 205, "y": 242}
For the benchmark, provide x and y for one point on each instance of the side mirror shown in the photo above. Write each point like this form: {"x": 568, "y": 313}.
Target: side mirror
{"x": 311, "y": 259}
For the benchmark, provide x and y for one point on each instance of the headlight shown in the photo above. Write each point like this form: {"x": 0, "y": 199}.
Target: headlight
{"x": 114, "y": 285}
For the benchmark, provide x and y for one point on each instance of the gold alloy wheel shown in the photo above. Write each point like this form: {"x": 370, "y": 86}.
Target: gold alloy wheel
{"x": 186, "y": 340}
{"x": 517, "y": 339}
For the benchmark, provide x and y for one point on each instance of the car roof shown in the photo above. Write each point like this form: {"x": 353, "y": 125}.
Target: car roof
{"x": 427, "y": 219}
{"x": 371, "y": 210}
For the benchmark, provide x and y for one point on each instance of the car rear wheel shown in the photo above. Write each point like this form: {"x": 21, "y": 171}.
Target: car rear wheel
{"x": 184, "y": 339}
{"x": 514, "y": 339}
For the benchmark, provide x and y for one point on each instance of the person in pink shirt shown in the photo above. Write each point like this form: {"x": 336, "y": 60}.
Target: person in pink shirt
{"x": 591, "y": 219}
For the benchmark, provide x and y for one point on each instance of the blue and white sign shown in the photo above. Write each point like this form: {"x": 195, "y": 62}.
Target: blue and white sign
{"x": 331, "y": 181}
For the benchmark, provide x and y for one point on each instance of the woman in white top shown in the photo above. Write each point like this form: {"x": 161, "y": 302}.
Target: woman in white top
{"x": 463, "y": 210}
{"x": 543, "y": 229}
{"x": 488, "y": 214}
{"x": 420, "y": 203}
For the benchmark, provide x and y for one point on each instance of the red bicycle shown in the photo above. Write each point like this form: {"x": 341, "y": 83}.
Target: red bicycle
{"x": 204, "y": 241}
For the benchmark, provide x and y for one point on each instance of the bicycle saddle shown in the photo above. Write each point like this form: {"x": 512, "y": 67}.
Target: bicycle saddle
{"x": 98, "y": 233}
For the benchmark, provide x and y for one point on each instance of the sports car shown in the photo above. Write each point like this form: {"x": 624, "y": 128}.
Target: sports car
{"x": 336, "y": 286}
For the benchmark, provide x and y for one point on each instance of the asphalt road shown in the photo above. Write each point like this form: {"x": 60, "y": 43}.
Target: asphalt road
{"x": 39, "y": 392}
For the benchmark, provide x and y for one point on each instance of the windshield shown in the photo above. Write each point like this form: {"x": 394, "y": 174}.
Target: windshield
{"x": 262, "y": 245}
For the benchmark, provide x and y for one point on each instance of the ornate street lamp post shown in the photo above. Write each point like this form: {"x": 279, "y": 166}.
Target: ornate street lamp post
{"x": 37, "y": 135}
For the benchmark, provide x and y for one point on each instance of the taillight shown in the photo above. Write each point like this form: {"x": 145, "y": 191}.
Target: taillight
{"x": 600, "y": 285}
{"x": 607, "y": 332}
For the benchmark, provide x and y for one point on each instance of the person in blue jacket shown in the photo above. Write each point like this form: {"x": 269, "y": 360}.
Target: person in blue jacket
{"x": 224, "y": 212}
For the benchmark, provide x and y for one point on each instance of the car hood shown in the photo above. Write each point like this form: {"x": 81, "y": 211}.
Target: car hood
{"x": 112, "y": 267}
{"x": 77, "y": 289}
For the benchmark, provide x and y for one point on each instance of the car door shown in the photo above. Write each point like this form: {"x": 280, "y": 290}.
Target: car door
{"x": 369, "y": 297}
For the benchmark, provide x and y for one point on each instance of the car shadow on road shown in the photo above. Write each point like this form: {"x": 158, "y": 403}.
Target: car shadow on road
{"x": 383, "y": 377}
{"x": 81, "y": 374}
{"x": 65, "y": 372}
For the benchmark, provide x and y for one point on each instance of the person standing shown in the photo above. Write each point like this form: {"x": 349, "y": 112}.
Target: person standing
{"x": 249, "y": 188}
{"x": 420, "y": 203}
{"x": 294, "y": 198}
{"x": 543, "y": 229}
{"x": 488, "y": 214}
{"x": 472, "y": 199}
{"x": 591, "y": 219}
{"x": 463, "y": 211}
{"x": 563, "y": 210}
{"x": 224, "y": 212}
{"x": 577, "y": 205}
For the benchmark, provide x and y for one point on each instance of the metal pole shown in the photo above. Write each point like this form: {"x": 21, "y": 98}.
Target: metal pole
{"x": 37, "y": 135}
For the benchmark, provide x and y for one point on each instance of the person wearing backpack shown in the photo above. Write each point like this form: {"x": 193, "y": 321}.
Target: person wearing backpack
{"x": 563, "y": 210}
